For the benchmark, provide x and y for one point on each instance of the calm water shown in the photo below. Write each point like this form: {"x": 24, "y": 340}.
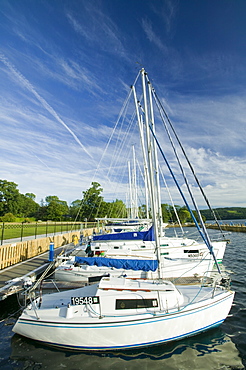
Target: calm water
{"x": 222, "y": 348}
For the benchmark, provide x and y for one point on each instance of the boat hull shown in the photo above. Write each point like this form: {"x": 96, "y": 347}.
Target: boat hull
{"x": 169, "y": 247}
{"x": 123, "y": 332}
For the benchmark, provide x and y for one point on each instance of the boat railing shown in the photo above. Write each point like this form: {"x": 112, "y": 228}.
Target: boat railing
{"x": 217, "y": 279}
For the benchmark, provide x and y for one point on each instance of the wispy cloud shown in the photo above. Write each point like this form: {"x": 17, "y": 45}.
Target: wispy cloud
{"x": 100, "y": 31}
{"x": 82, "y": 77}
{"x": 25, "y": 83}
{"x": 83, "y": 31}
{"x": 151, "y": 35}
{"x": 221, "y": 183}
{"x": 167, "y": 11}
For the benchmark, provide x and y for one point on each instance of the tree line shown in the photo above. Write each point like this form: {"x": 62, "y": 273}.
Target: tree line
{"x": 15, "y": 206}
{"x": 227, "y": 213}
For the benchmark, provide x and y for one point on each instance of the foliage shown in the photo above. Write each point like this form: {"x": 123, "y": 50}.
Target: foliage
{"x": 8, "y": 217}
{"x": 12, "y": 201}
{"x": 172, "y": 214}
{"x": 91, "y": 202}
{"x": 30, "y": 195}
{"x": 56, "y": 209}
{"x": 93, "y": 206}
{"x": 9, "y": 198}
{"x": 197, "y": 218}
{"x": 231, "y": 213}
{"x": 28, "y": 207}
{"x": 87, "y": 208}
{"x": 116, "y": 209}
{"x": 184, "y": 215}
{"x": 14, "y": 206}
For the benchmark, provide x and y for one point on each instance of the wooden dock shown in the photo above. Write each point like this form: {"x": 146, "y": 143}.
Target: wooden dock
{"x": 13, "y": 277}
{"x": 238, "y": 228}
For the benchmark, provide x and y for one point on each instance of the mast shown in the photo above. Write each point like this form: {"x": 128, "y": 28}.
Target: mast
{"x": 134, "y": 186}
{"x": 130, "y": 187}
{"x": 155, "y": 159}
{"x": 153, "y": 192}
{"x": 141, "y": 132}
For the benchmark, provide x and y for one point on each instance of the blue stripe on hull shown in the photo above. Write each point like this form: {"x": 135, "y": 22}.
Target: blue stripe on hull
{"x": 155, "y": 318}
{"x": 169, "y": 316}
{"x": 139, "y": 345}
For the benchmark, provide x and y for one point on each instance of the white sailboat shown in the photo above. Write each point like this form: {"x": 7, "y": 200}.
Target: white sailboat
{"x": 83, "y": 269}
{"x": 173, "y": 247}
{"x": 120, "y": 313}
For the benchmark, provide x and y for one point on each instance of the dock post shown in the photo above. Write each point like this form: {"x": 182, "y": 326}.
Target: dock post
{"x": 51, "y": 253}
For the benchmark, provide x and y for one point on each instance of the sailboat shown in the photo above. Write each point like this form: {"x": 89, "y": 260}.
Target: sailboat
{"x": 122, "y": 313}
{"x": 84, "y": 269}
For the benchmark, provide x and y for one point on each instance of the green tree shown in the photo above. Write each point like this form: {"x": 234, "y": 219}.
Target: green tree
{"x": 196, "y": 217}
{"x": 28, "y": 207}
{"x": 184, "y": 214}
{"x": 56, "y": 209}
{"x": 115, "y": 209}
{"x": 74, "y": 210}
{"x": 9, "y": 198}
{"x": 142, "y": 211}
{"x": 91, "y": 202}
{"x": 30, "y": 195}
{"x": 165, "y": 208}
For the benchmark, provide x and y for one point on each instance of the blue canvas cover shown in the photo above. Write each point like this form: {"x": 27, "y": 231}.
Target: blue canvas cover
{"x": 126, "y": 264}
{"x": 128, "y": 235}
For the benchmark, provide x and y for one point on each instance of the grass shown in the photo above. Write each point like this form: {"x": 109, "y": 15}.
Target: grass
{"x": 18, "y": 230}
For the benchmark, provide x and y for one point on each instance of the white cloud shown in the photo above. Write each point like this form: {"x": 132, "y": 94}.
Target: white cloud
{"x": 151, "y": 35}
{"x": 25, "y": 83}
{"x": 167, "y": 11}
{"x": 100, "y": 30}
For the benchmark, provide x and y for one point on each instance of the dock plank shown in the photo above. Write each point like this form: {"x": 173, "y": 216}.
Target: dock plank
{"x": 11, "y": 278}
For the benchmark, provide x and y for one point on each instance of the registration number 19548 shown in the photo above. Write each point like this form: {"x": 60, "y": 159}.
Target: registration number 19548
{"x": 84, "y": 300}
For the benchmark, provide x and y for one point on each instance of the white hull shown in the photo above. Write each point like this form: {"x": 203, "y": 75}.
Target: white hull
{"x": 170, "y": 247}
{"x": 100, "y": 327}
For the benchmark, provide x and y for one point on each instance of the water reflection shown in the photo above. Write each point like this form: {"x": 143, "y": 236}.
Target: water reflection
{"x": 213, "y": 350}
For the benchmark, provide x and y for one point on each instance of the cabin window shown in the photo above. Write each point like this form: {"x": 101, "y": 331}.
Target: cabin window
{"x": 127, "y": 304}
{"x": 116, "y": 247}
{"x": 191, "y": 251}
{"x": 165, "y": 254}
{"x": 164, "y": 245}
{"x": 143, "y": 246}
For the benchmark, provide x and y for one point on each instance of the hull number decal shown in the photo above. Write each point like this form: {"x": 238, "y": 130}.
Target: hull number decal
{"x": 84, "y": 300}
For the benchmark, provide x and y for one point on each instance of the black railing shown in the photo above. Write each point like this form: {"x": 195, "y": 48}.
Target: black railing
{"x": 21, "y": 230}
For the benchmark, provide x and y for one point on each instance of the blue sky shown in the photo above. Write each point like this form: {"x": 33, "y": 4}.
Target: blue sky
{"x": 65, "y": 70}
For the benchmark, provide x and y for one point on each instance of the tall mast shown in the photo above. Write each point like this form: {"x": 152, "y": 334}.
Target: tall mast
{"x": 134, "y": 185}
{"x": 153, "y": 192}
{"x": 155, "y": 159}
{"x": 141, "y": 131}
{"x": 130, "y": 188}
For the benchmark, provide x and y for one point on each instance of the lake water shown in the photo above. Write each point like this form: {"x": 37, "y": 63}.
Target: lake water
{"x": 221, "y": 348}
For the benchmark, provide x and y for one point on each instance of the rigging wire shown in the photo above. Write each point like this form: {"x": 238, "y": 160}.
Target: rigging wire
{"x": 188, "y": 161}
{"x": 107, "y": 145}
{"x": 203, "y": 234}
{"x": 171, "y": 199}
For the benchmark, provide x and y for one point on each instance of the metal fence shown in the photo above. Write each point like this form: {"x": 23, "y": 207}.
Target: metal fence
{"x": 22, "y": 230}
